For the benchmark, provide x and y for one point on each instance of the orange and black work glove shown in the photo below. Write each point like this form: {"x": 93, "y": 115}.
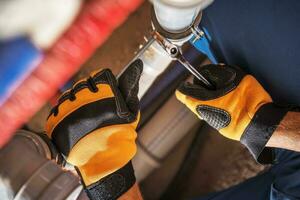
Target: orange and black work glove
{"x": 238, "y": 107}
{"x": 93, "y": 126}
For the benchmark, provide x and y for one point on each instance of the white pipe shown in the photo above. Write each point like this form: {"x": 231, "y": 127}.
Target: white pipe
{"x": 155, "y": 61}
{"x": 177, "y": 15}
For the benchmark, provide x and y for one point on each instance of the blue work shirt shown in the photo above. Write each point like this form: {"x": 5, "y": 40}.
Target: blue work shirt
{"x": 262, "y": 37}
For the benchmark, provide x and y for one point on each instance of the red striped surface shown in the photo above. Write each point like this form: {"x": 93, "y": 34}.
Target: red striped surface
{"x": 92, "y": 27}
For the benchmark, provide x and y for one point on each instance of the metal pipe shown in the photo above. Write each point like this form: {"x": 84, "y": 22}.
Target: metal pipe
{"x": 27, "y": 173}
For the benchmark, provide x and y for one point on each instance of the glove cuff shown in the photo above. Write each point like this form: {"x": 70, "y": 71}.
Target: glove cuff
{"x": 112, "y": 186}
{"x": 260, "y": 130}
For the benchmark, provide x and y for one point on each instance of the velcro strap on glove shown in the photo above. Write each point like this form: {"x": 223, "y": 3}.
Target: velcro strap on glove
{"x": 112, "y": 186}
{"x": 260, "y": 129}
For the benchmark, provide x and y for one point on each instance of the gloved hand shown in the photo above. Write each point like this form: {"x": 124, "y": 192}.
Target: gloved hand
{"x": 93, "y": 126}
{"x": 239, "y": 107}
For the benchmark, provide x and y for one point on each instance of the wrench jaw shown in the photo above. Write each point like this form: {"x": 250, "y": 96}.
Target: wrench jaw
{"x": 175, "y": 52}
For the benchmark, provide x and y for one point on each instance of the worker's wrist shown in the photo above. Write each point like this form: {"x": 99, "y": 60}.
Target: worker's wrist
{"x": 113, "y": 185}
{"x": 261, "y": 128}
{"x": 132, "y": 194}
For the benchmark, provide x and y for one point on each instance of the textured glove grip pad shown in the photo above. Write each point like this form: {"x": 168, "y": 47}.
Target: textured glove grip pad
{"x": 260, "y": 129}
{"x": 215, "y": 117}
{"x": 112, "y": 186}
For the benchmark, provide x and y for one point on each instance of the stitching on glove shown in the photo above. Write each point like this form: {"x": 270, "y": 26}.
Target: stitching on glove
{"x": 72, "y": 96}
{"x": 92, "y": 85}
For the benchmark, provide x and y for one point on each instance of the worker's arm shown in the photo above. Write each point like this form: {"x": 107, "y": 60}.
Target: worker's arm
{"x": 287, "y": 134}
{"x": 240, "y": 109}
{"x": 132, "y": 194}
{"x": 93, "y": 127}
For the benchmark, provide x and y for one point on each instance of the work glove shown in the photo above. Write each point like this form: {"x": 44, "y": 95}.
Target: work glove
{"x": 93, "y": 126}
{"x": 238, "y": 107}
